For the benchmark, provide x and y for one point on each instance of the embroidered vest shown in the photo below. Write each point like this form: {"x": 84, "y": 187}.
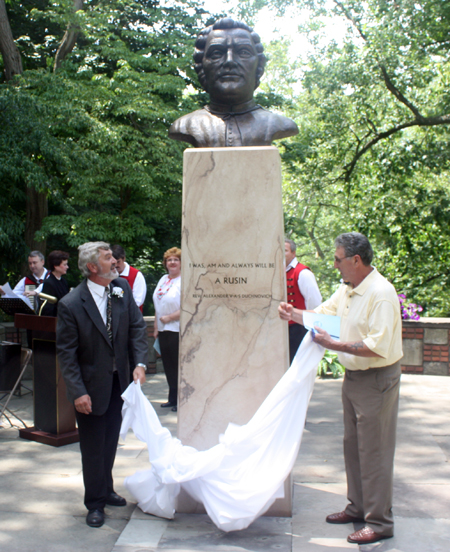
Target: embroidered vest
{"x": 294, "y": 297}
{"x": 31, "y": 284}
{"x": 131, "y": 278}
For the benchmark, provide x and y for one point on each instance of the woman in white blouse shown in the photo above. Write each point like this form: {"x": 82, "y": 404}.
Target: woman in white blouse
{"x": 166, "y": 299}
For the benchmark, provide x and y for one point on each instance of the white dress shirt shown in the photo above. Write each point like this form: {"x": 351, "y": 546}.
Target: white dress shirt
{"x": 20, "y": 287}
{"x": 100, "y": 297}
{"x": 139, "y": 286}
{"x": 308, "y": 286}
{"x": 167, "y": 302}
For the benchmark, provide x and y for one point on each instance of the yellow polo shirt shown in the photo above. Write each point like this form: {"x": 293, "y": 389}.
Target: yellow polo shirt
{"x": 369, "y": 313}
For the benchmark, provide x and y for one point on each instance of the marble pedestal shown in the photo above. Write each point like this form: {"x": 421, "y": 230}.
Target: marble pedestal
{"x": 234, "y": 347}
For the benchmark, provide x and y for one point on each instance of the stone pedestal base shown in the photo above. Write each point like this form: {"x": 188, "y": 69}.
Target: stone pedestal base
{"x": 234, "y": 347}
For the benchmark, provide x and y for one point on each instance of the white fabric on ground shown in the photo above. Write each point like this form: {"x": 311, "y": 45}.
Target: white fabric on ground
{"x": 239, "y": 479}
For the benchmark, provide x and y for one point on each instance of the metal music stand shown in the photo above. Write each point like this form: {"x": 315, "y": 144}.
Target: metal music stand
{"x": 24, "y": 361}
{"x": 11, "y": 306}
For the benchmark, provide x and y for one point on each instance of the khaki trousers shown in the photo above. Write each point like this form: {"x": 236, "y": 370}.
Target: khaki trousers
{"x": 370, "y": 401}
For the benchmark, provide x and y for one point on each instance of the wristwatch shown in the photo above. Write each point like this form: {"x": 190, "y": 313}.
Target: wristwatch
{"x": 140, "y": 364}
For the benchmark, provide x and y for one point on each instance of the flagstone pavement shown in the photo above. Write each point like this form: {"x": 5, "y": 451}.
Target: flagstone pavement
{"x": 41, "y": 490}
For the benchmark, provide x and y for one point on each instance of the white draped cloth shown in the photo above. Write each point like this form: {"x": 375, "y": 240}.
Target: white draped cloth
{"x": 239, "y": 479}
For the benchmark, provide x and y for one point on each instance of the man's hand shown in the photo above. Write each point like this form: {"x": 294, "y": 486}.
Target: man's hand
{"x": 1, "y": 291}
{"x": 83, "y": 404}
{"x": 285, "y": 311}
{"x": 139, "y": 374}
{"x": 30, "y": 293}
{"x": 357, "y": 348}
{"x": 323, "y": 338}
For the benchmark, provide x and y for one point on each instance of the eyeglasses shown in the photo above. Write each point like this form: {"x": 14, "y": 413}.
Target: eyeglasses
{"x": 338, "y": 260}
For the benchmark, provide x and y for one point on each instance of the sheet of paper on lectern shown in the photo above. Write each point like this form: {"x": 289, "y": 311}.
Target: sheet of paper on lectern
{"x": 9, "y": 294}
{"x": 331, "y": 324}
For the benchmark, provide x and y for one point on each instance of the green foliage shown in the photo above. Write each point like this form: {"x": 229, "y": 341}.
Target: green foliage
{"x": 329, "y": 365}
{"x": 372, "y": 153}
{"x": 92, "y": 136}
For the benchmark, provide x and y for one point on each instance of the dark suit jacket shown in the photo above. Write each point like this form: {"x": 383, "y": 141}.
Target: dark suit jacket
{"x": 85, "y": 353}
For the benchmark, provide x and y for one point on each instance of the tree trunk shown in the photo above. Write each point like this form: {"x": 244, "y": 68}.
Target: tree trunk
{"x": 10, "y": 53}
{"x": 36, "y": 202}
{"x": 69, "y": 39}
{"x": 37, "y": 210}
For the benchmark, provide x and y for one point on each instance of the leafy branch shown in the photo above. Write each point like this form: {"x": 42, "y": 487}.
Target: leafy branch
{"x": 418, "y": 121}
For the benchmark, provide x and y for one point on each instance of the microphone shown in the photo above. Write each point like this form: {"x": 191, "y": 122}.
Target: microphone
{"x": 48, "y": 298}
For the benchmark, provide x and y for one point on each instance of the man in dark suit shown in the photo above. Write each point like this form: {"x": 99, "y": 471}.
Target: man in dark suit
{"x": 98, "y": 323}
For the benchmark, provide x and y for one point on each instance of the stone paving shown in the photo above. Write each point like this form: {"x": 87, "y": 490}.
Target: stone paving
{"x": 41, "y": 490}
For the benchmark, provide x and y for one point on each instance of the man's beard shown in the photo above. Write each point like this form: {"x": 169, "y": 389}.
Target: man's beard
{"x": 111, "y": 275}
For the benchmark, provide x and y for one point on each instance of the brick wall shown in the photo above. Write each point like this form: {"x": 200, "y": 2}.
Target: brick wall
{"x": 426, "y": 346}
{"x": 152, "y": 354}
{"x": 9, "y": 333}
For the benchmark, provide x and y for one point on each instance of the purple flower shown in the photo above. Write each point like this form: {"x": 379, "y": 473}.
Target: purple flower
{"x": 409, "y": 311}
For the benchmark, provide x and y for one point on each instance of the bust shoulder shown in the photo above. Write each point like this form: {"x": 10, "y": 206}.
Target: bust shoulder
{"x": 277, "y": 125}
{"x": 187, "y": 127}
{"x": 257, "y": 126}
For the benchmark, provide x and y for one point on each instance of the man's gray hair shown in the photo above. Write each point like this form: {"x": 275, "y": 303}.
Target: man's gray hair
{"x": 37, "y": 254}
{"x": 89, "y": 253}
{"x": 354, "y": 243}
{"x": 292, "y": 244}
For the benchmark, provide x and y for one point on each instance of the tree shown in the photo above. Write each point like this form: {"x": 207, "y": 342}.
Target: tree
{"x": 372, "y": 154}
{"x": 8, "y": 49}
{"x": 92, "y": 135}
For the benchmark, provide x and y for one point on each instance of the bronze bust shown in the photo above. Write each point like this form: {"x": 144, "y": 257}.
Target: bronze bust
{"x": 229, "y": 61}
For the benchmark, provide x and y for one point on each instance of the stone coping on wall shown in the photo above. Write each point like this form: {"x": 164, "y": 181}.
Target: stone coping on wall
{"x": 426, "y": 346}
{"x": 425, "y": 322}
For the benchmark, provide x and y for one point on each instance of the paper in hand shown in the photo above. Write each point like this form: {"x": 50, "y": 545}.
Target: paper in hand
{"x": 156, "y": 346}
{"x": 9, "y": 294}
{"x": 331, "y": 324}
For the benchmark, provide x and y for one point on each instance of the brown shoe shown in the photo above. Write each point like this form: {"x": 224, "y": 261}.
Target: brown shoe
{"x": 342, "y": 517}
{"x": 366, "y": 535}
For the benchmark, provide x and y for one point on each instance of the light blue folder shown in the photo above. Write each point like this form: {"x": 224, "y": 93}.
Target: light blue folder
{"x": 331, "y": 324}
{"x": 156, "y": 346}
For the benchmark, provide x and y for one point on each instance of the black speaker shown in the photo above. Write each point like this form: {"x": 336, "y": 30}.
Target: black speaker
{"x": 9, "y": 364}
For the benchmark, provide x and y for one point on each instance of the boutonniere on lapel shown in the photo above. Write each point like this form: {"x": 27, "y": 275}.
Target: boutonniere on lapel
{"x": 117, "y": 292}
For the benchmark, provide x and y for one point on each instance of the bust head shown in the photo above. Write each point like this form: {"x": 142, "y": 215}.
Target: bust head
{"x": 229, "y": 61}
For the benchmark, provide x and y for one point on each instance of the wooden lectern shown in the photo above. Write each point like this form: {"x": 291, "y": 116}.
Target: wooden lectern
{"x": 54, "y": 415}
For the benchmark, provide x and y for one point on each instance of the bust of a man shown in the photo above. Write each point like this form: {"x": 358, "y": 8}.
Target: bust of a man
{"x": 229, "y": 61}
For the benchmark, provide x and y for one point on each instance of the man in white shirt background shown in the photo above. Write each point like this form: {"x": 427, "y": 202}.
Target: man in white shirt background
{"x": 302, "y": 293}
{"x": 38, "y": 273}
{"x": 133, "y": 276}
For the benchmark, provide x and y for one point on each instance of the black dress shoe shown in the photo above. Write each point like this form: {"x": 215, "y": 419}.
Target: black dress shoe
{"x": 113, "y": 499}
{"x": 95, "y": 518}
{"x": 175, "y": 409}
{"x": 167, "y": 404}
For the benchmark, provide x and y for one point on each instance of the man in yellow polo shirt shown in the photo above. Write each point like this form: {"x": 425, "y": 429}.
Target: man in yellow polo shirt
{"x": 370, "y": 348}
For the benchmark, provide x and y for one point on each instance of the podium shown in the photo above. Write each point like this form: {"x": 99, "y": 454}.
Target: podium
{"x": 54, "y": 415}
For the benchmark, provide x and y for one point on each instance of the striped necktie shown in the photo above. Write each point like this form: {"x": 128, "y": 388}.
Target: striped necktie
{"x": 109, "y": 314}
